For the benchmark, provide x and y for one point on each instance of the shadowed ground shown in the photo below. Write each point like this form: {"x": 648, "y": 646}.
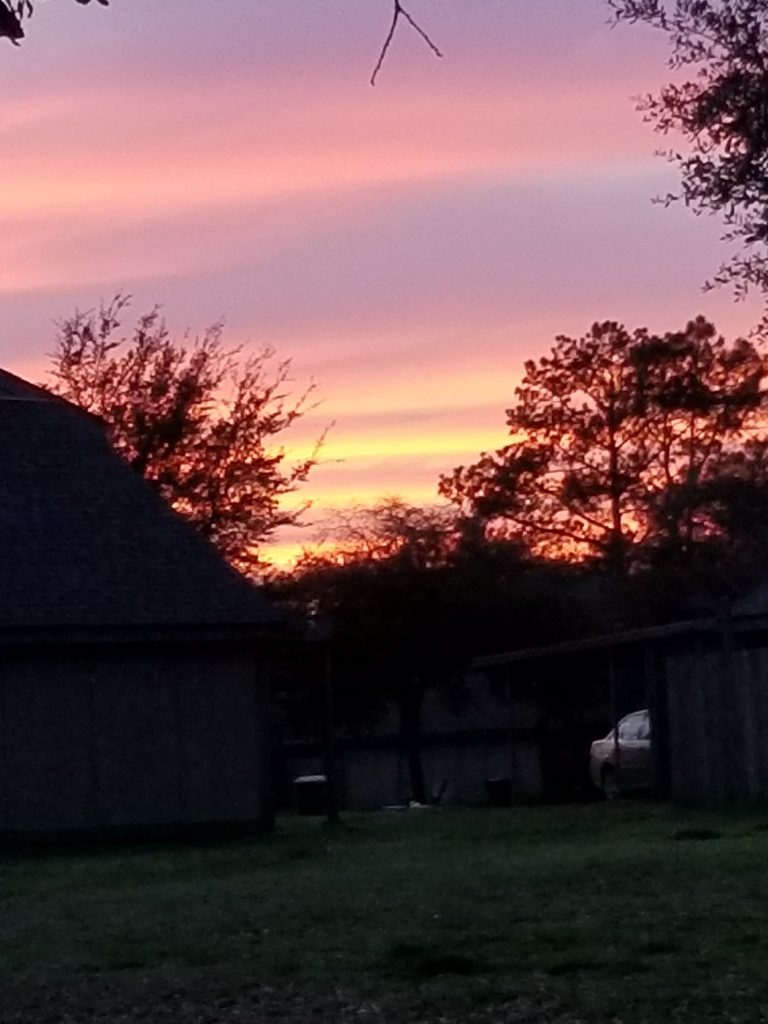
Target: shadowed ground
{"x": 602, "y": 913}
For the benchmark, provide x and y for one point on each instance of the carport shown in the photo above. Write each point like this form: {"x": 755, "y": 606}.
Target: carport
{"x": 705, "y": 683}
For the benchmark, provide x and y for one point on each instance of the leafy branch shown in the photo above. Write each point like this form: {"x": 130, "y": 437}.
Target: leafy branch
{"x": 13, "y": 13}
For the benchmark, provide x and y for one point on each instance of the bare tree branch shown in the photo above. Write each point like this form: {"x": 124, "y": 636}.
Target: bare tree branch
{"x": 14, "y": 12}
{"x": 399, "y": 12}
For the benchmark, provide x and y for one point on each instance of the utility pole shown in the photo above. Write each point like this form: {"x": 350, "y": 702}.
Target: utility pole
{"x": 329, "y": 737}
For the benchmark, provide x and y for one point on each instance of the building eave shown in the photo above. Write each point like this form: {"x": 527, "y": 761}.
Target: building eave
{"x": 607, "y": 641}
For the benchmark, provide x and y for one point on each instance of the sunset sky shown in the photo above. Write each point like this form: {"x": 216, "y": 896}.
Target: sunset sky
{"x": 407, "y": 245}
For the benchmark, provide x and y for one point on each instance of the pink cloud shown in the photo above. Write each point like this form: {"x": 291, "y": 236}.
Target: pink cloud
{"x": 408, "y": 245}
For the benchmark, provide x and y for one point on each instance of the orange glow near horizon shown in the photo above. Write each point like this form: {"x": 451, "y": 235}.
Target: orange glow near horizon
{"x": 406, "y": 246}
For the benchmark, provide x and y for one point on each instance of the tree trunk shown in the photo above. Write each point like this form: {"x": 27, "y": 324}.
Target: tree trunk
{"x": 409, "y": 708}
{"x": 617, "y": 555}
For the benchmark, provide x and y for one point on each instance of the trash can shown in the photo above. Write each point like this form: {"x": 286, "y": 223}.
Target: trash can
{"x": 310, "y": 794}
{"x": 499, "y": 792}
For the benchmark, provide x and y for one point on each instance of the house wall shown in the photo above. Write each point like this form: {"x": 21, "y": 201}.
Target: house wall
{"x": 457, "y": 768}
{"x": 123, "y": 738}
{"x": 465, "y": 741}
{"x": 717, "y": 704}
{"x": 376, "y": 775}
{"x": 531, "y": 724}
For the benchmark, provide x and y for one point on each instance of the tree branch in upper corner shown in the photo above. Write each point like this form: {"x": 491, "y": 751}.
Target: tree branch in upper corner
{"x": 398, "y": 12}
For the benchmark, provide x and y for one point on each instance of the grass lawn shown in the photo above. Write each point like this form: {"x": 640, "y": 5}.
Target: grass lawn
{"x": 621, "y": 913}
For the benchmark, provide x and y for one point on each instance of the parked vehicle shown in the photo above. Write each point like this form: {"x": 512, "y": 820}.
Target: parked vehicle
{"x": 623, "y": 766}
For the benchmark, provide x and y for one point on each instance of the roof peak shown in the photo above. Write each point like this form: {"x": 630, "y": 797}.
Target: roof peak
{"x": 16, "y": 389}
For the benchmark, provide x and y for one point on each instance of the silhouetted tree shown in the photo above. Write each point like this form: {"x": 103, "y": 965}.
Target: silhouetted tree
{"x": 197, "y": 420}
{"x": 721, "y": 112}
{"x": 382, "y": 585}
{"x": 728, "y": 513}
{"x": 603, "y": 428}
{"x": 414, "y": 594}
{"x": 14, "y": 12}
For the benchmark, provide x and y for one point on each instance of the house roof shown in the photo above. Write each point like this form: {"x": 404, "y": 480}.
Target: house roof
{"x": 17, "y": 389}
{"x": 85, "y": 542}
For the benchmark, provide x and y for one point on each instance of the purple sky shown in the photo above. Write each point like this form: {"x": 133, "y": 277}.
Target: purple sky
{"x": 408, "y": 245}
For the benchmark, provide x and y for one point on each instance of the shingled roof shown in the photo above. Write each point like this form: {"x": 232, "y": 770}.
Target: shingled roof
{"x": 84, "y": 542}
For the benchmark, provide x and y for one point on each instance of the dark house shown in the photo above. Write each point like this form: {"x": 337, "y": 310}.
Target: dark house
{"x": 133, "y": 659}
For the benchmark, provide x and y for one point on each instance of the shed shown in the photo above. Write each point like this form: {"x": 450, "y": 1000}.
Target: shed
{"x": 133, "y": 659}
{"x": 705, "y": 683}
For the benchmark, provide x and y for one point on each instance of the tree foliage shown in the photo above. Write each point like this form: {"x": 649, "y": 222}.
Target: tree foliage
{"x": 197, "y": 420}
{"x": 413, "y": 595}
{"x": 721, "y": 112}
{"x": 14, "y": 12}
{"x": 383, "y": 587}
{"x": 391, "y": 532}
{"x": 605, "y": 430}
{"x": 387, "y": 572}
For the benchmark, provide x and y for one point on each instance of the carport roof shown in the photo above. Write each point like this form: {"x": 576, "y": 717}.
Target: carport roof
{"x": 607, "y": 641}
